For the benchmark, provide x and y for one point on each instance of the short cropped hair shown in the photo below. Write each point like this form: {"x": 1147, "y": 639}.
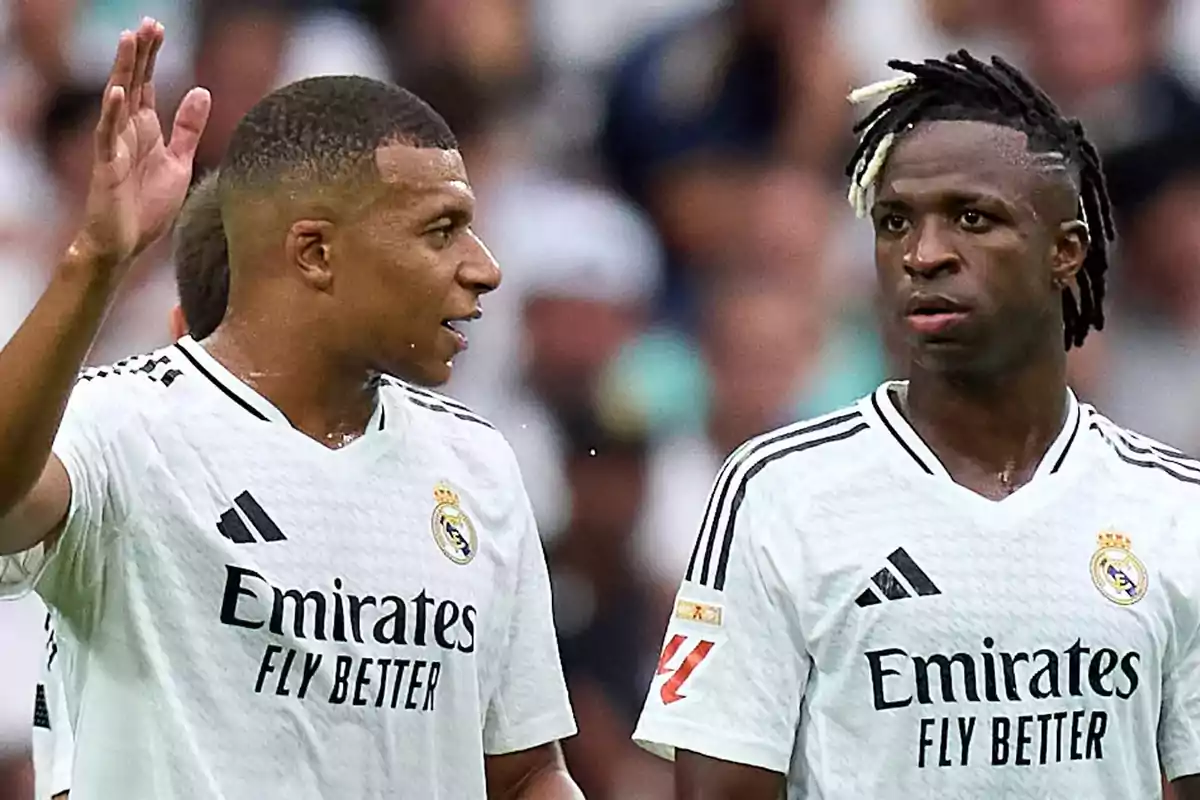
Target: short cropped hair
{"x": 326, "y": 130}
{"x": 202, "y": 259}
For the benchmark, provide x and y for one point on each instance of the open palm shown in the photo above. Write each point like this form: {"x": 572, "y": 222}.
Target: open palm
{"x": 139, "y": 180}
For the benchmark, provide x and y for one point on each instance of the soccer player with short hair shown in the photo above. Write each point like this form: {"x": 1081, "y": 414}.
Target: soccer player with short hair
{"x": 967, "y": 584}
{"x": 275, "y": 570}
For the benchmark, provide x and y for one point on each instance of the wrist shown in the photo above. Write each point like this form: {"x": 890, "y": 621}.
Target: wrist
{"x": 85, "y": 260}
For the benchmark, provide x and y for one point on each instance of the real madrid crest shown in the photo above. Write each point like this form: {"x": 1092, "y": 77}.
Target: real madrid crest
{"x": 452, "y": 529}
{"x": 1117, "y": 572}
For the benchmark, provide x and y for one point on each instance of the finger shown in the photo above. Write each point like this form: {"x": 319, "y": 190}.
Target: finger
{"x": 108, "y": 129}
{"x": 121, "y": 73}
{"x": 145, "y": 43}
{"x": 148, "y": 94}
{"x": 190, "y": 120}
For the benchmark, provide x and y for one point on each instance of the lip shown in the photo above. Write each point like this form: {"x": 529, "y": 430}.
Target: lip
{"x": 934, "y": 324}
{"x": 453, "y": 326}
{"x": 461, "y": 342}
{"x": 932, "y": 315}
{"x": 934, "y": 304}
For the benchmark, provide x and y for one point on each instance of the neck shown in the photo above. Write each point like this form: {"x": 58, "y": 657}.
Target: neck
{"x": 312, "y": 387}
{"x": 1002, "y": 424}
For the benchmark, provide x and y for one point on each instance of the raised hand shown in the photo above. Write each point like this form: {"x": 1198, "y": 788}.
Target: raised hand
{"x": 139, "y": 180}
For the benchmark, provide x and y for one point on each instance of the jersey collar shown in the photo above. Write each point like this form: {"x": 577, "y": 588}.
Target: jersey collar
{"x": 240, "y": 393}
{"x": 881, "y": 409}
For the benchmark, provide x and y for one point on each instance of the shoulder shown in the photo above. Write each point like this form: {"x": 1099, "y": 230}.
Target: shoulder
{"x": 132, "y": 387}
{"x": 445, "y": 413}
{"x": 148, "y": 372}
{"x": 448, "y": 422}
{"x": 811, "y": 449}
{"x": 1144, "y": 460}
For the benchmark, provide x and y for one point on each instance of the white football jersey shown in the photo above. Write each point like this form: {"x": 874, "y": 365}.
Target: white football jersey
{"x": 52, "y": 740}
{"x": 242, "y": 612}
{"x": 854, "y": 619}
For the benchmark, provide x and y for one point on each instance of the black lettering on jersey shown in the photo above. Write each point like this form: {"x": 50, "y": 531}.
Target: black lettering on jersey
{"x": 899, "y": 678}
{"x": 250, "y": 601}
{"x": 395, "y": 683}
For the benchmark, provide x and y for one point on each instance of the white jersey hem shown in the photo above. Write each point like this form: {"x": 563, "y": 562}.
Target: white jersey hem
{"x": 1175, "y": 766}
{"x": 663, "y": 738}
{"x": 534, "y": 733}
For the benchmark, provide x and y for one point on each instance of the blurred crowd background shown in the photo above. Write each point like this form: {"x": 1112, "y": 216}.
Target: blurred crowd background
{"x": 661, "y": 181}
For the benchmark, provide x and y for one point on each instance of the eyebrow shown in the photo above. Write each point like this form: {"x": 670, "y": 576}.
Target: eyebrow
{"x": 952, "y": 197}
{"x": 456, "y": 210}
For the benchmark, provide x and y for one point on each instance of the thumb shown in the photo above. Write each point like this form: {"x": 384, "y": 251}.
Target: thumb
{"x": 190, "y": 120}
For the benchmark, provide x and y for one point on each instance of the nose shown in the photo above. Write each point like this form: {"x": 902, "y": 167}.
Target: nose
{"x": 479, "y": 270}
{"x": 929, "y": 251}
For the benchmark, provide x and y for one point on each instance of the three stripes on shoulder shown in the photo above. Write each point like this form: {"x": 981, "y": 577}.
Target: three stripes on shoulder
{"x": 432, "y": 401}
{"x": 710, "y": 557}
{"x": 1141, "y": 451}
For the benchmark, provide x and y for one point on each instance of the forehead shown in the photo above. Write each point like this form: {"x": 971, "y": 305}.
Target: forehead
{"x": 422, "y": 174}
{"x": 967, "y": 157}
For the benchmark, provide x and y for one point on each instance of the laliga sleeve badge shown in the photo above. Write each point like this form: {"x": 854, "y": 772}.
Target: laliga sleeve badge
{"x": 1117, "y": 572}
{"x": 452, "y": 528}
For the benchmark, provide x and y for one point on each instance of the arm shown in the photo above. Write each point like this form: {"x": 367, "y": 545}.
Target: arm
{"x": 53, "y": 739}
{"x": 1185, "y": 788}
{"x": 1179, "y": 715}
{"x": 726, "y": 698}
{"x": 528, "y": 712}
{"x": 535, "y": 774}
{"x": 138, "y": 184}
{"x": 699, "y": 777}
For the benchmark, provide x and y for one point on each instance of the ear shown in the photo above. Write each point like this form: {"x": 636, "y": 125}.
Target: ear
{"x": 1070, "y": 248}
{"x": 177, "y": 323}
{"x": 309, "y": 248}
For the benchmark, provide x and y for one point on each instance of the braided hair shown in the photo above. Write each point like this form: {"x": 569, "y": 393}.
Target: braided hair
{"x": 961, "y": 87}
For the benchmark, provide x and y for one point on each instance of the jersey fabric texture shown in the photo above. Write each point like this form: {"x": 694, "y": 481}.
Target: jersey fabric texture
{"x": 52, "y": 739}
{"x": 241, "y": 611}
{"x": 854, "y": 619}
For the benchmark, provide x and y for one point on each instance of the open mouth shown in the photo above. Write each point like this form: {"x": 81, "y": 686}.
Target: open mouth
{"x": 457, "y": 325}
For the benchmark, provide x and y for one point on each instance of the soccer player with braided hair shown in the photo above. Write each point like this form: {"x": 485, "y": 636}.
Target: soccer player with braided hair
{"x": 968, "y": 583}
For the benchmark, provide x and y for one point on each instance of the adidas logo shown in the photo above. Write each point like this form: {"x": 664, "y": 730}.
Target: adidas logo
{"x": 233, "y": 528}
{"x": 890, "y": 585}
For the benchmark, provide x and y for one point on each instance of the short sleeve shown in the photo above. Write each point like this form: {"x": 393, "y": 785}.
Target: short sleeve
{"x": 1179, "y": 719}
{"x": 87, "y": 445}
{"x": 53, "y": 741}
{"x": 529, "y": 706}
{"x": 734, "y": 667}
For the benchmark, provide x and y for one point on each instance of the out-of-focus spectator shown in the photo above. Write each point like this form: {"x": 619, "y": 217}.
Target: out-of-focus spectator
{"x": 240, "y": 47}
{"x": 608, "y": 622}
{"x": 698, "y": 109}
{"x": 913, "y": 30}
{"x": 581, "y": 270}
{"x": 489, "y": 41}
{"x": 1155, "y": 338}
{"x": 1105, "y": 62}
{"x": 136, "y": 323}
{"x": 778, "y": 343}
